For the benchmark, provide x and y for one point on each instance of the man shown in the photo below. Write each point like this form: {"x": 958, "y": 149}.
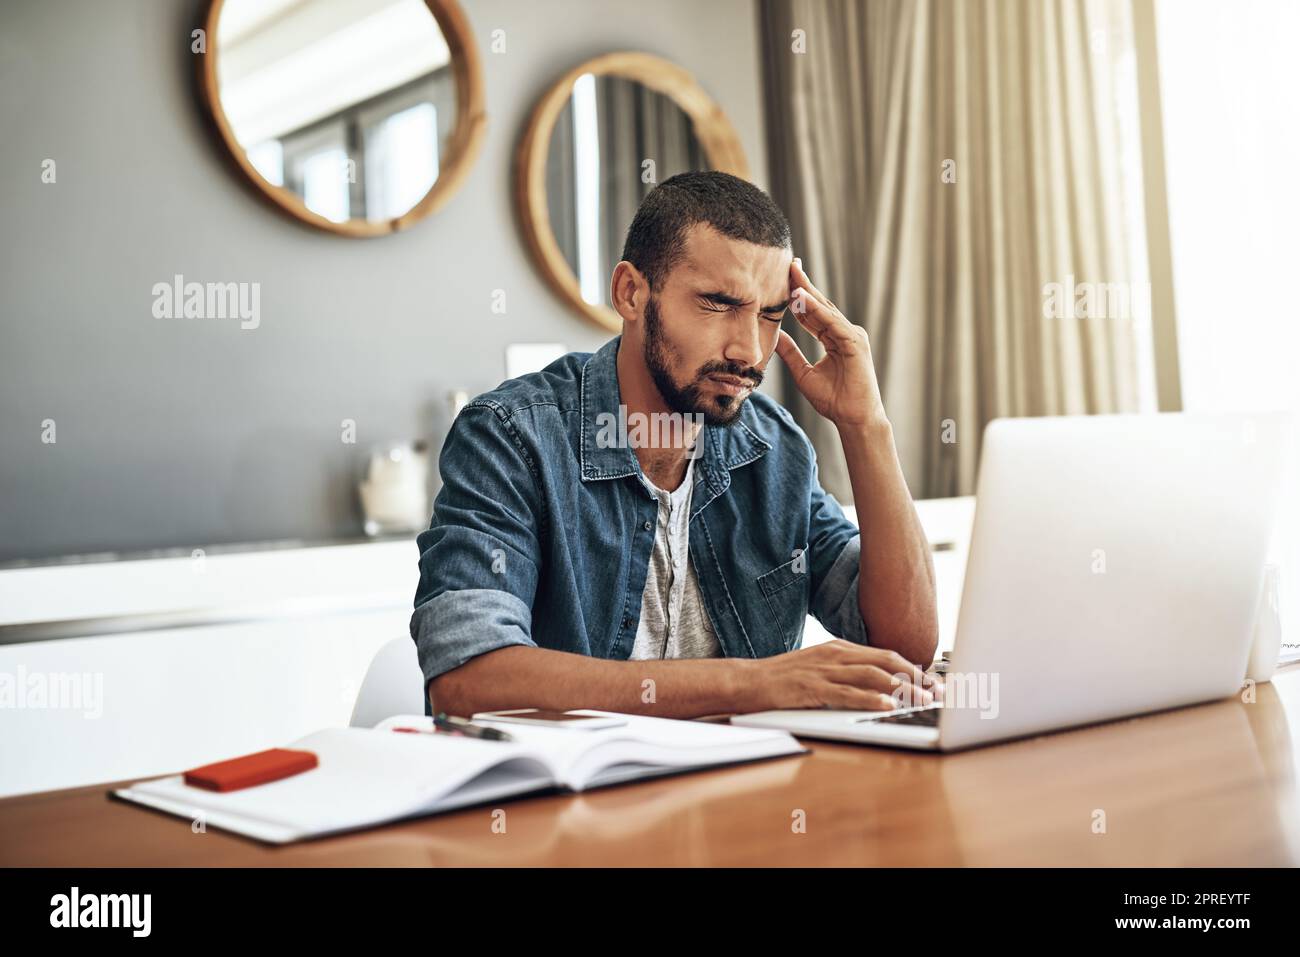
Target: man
{"x": 577, "y": 559}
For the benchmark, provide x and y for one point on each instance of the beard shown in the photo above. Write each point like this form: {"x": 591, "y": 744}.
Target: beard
{"x": 690, "y": 399}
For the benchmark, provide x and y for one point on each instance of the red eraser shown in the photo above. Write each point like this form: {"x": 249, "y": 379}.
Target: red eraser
{"x": 251, "y": 769}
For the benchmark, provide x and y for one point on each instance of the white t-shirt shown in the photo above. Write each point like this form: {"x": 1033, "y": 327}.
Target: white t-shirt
{"x": 673, "y": 621}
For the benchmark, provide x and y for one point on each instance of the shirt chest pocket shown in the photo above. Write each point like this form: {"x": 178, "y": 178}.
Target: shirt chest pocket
{"x": 785, "y": 593}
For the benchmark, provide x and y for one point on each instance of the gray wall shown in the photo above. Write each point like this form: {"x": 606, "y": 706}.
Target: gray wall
{"x": 178, "y": 433}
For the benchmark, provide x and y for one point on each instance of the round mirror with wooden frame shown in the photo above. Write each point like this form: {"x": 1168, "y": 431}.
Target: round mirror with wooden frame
{"x": 598, "y": 140}
{"x": 359, "y": 117}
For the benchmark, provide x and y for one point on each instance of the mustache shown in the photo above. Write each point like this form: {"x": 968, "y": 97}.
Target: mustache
{"x": 737, "y": 369}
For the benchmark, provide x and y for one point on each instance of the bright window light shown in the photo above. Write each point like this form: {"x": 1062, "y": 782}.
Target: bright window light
{"x": 1228, "y": 80}
{"x": 267, "y": 158}
{"x": 325, "y": 184}
{"x": 586, "y": 172}
{"x": 402, "y": 161}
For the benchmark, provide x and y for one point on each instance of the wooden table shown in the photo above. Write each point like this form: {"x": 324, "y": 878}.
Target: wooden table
{"x": 1212, "y": 785}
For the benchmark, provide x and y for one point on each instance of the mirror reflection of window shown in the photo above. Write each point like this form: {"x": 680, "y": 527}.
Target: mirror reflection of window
{"x": 613, "y": 142}
{"x": 586, "y": 186}
{"x": 325, "y": 184}
{"x": 348, "y": 104}
{"x": 267, "y": 158}
{"x": 401, "y": 160}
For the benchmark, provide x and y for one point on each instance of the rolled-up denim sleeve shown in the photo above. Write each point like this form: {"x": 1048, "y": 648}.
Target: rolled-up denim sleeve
{"x": 834, "y": 546}
{"x": 479, "y": 558}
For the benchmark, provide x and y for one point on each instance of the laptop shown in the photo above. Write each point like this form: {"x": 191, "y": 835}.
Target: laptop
{"x": 1115, "y": 568}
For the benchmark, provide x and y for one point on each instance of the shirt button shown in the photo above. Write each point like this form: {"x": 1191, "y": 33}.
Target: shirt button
{"x": 627, "y": 622}
{"x": 647, "y": 525}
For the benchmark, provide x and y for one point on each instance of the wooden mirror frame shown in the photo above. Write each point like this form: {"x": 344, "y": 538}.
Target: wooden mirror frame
{"x": 463, "y": 145}
{"x": 714, "y": 131}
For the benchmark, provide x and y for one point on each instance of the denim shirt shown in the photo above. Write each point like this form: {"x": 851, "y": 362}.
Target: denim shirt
{"x": 541, "y": 535}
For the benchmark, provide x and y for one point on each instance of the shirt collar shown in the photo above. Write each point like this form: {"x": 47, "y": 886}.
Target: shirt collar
{"x": 725, "y": 447}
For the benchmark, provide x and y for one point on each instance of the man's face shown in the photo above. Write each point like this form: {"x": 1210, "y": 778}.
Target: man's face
{"x": 711, "y": 327}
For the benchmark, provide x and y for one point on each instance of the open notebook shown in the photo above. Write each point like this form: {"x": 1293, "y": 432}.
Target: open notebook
{"x": 369, "y": 776}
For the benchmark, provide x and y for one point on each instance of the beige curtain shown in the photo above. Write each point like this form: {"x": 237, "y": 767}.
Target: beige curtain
{"x": 942, "y": 162}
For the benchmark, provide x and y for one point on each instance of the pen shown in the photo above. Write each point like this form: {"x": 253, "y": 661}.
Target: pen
{"x": 445, "y": 722}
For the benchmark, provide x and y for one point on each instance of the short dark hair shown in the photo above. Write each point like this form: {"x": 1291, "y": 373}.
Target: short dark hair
{"x": 731, "y": 205}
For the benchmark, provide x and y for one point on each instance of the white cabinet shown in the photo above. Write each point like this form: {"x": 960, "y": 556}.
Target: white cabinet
{"x": 269, "y": 645}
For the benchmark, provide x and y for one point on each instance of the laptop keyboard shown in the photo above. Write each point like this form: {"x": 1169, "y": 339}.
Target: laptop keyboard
{"x": 922, "y": 718}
